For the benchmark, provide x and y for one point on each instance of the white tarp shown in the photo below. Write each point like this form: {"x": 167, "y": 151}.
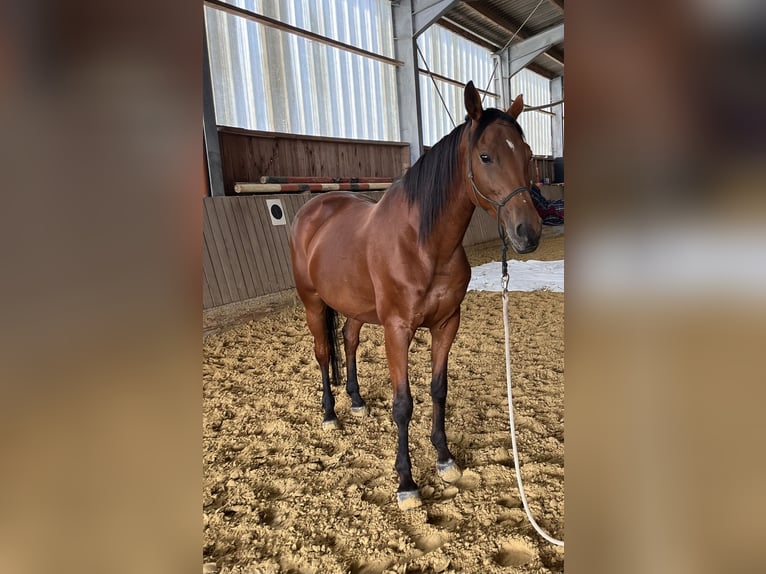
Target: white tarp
{"x": 524, "y": 276}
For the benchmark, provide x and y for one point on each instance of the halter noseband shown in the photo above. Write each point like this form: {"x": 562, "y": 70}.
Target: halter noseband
{"x": 493, "y": 203}
{"x": 497, "y": 206}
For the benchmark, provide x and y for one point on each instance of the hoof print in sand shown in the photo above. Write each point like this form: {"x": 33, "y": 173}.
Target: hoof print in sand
{"x": 514, "y": 552}
{"x": 469, "y": 481}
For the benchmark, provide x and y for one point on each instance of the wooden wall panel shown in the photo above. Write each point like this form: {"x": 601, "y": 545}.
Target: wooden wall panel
{"x": 250, "y": 234}
{"x": 248, "y": 155}
{"x": 542, "y": 167}
{"x": 207, "y": 299}
{"x": 232, "y": 246}
{"x": 210, "y": 283}
{"x": 218, "y": 253}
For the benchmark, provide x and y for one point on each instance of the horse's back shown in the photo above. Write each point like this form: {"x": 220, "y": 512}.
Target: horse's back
{"x": 334, "y": 208}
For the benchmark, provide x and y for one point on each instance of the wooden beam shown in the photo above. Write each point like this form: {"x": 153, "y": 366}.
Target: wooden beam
{"x": 266, "y": 21}
{"x": 247, "y": 187}
{"x": 288, "y": 136}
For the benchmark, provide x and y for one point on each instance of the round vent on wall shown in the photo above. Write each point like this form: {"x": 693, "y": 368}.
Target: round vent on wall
{"x": 276, "y": 211}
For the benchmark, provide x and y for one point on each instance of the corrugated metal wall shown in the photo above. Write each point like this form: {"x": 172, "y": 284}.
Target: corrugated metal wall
{"x": 450, "y": 55}
{"x": 536, "y": 124}
{"x": 269, "y": 80}
{"x": 454, "y": 57}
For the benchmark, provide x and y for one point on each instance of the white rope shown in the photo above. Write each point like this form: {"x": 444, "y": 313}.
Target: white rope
{"x": 540, "y": 531}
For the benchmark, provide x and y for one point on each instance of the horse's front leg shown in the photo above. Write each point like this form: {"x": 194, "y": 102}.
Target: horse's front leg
{"x": 442, "y": 337}
{"x": 398, "y": 339}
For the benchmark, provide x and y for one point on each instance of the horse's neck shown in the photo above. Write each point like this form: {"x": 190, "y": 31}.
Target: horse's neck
{"x": 450, "y": 228}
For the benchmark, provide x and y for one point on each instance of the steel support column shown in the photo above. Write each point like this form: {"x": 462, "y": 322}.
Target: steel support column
{"x": 209, "y": 127}
{"x": 503, "y": 79}
{"x": 557, "y": 121}
{"x": 407, "y": 79}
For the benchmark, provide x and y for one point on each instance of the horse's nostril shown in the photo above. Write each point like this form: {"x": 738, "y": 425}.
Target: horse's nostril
{"x": 519, "y": 230}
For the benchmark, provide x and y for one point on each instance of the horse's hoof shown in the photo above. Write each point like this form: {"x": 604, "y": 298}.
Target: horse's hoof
{"x": 361, "y": 412}
{"x": 449, "y": 471}
{"x": 330, "y": 425}
{"x": 408, "y": 500}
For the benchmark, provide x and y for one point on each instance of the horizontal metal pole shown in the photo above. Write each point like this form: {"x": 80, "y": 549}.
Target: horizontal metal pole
{"x": 271, "y": 22}
{"x": 537, "y": 108}
{"x": 453, "y": 82}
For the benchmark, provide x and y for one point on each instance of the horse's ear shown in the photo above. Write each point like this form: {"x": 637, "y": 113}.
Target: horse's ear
{"x": 516, "y": 107}
{"x": 472, "y": 102}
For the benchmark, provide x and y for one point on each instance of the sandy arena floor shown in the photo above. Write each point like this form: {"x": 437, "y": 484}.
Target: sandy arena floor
{"x": 282, "y": 496}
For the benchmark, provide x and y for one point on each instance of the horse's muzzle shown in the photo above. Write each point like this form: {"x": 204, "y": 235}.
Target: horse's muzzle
{"x": 524, "y": 238}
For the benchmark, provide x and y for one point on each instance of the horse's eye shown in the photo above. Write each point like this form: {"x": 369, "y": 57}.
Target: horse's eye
{"x": 485, "y": 158}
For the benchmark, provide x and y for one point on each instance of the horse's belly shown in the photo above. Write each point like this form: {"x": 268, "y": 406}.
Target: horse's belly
{"x": 352, "y": 298}
{"x": 340, "y": 275}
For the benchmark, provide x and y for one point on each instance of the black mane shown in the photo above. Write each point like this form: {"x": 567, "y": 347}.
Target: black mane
{"x": 429, "y": 180}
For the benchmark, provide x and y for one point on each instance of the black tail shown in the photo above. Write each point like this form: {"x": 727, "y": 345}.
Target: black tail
{"x": 331, "y": 329}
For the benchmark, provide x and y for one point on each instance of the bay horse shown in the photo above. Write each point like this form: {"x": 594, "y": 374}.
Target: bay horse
{"x": 400, "y": 263}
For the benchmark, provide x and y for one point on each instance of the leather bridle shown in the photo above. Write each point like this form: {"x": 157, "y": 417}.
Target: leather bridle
{"x": 497, "y": 205}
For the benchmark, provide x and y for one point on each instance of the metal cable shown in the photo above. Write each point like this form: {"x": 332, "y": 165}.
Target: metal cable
{"x": 516, "y": 33}
{"x": 422, "y": 57}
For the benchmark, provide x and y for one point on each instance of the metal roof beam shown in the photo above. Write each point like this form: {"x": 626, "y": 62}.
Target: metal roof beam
{"x": 558, "y": 4}
{"x": 524, "y": 52}
{"x": 511, "y": 27}
{"x": 426, "y": 12}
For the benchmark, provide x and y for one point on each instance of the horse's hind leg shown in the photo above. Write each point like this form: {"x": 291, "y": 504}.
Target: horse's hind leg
{"x": 351, "y": 342}
{"x": 316, "y": 321}
{"x": 441, "y": 342}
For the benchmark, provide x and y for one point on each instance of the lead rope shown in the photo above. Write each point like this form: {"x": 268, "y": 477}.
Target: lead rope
{"x": 523, "y": 496}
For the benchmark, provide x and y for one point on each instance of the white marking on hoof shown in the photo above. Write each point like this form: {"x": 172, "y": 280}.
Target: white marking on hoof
{"x": 330, "y": 425}
{"x": 449, "y": 471}
{"x": 362, "y": 411}
{"x": 408, "y": 500}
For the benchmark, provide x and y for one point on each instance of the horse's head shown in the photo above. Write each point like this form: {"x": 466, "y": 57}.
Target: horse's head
{"x": 498, "y": 170}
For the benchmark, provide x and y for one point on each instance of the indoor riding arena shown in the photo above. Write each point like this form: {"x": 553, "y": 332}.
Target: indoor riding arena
{"x": 304, "y": 100}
